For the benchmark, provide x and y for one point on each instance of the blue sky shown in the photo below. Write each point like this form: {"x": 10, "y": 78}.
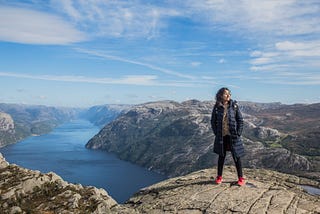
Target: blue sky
{"x": 84, "y": 53}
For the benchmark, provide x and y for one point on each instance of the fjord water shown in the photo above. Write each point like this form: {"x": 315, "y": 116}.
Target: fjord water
{"x": 63, "y": 152}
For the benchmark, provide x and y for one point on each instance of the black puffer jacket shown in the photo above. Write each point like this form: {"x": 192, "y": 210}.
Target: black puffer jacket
{"x": 235, "y": 121}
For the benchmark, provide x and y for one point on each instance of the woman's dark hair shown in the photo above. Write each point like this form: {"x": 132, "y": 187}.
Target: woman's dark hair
{"x": 220, "y": 94}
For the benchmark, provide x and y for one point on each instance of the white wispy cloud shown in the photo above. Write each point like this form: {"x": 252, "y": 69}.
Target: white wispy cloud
{"x": 270, "y": 67}
{"x": 150, "y": 66}
{"x": 116, "y": 18}
{"x": 144, "y": 80}
{"x": 310, "y": 79}
{"x": 289, "y": 62}
{"x": 270, "y": 24}
{"x": 137, "y": 19}
{"x": 33, "y": 27}
{"x": 261, "y": 60}
{"x": 195, "y": 64}
{"x": 222, "y": 60}
{"x": 285, "y": 75}
{"x": 281, "y": 77}
{"x": 303, "y": 52}
{"x": 289, "y": 17}
{"x": 126, "y": 80}
{"x": 300, "y": 49}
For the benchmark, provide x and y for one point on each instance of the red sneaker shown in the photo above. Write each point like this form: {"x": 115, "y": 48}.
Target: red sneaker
{"x": 218, "y": 180}
{"x": 241, "y": 181}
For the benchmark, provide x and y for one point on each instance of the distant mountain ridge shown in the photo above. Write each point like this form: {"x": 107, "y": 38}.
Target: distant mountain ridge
{"x": 101, "y": 115}
{"x": 176, "y": 138}
{"x": 20, "y": 121}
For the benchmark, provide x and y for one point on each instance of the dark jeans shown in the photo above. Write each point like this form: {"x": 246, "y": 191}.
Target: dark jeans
{"x": 237, "y": 160}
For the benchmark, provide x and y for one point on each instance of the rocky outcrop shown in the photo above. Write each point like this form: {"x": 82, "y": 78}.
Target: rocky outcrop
{"x": 265, "y": 192}
{"x": 268, "y": 133}
{"x": 176, "y": 138}
{"x": 28, "y": 191}
{"x": 6, "y": 122}
{"x": 7, "y": 129}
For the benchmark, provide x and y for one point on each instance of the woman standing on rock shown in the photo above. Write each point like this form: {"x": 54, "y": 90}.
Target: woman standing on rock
{"x": 227, "y": 125}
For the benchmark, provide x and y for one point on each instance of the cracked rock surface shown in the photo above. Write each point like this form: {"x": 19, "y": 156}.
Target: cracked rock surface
{"x": 265, "y": 192}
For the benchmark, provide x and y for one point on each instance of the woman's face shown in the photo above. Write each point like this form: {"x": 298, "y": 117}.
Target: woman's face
{"x": 226, "y": 96}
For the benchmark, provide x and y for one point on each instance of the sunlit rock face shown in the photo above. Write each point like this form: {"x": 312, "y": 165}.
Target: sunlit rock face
{"x": 7, "y": 129}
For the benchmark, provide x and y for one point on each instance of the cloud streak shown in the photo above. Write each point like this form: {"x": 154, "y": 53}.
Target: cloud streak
{"x": 287, "y": 51}
{"x": 142, "y": 80}
{"x": 289, "y": 62}
{"x": 84, "y": 20}
{"x": 152, "y": 67}
{"x": 33, "y": 27}
{"x": 116, "y": 18}
{"x": 300, "y": 49}
{"x": 138, "y": 19}
{"x": 276, "y": 18}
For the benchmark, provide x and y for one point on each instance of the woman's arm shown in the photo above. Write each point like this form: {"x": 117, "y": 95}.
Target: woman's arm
{"x": 239, "y": 120}
{"x": 214, "y": 120}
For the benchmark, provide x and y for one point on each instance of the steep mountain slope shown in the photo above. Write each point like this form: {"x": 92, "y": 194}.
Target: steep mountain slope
{"x": 297, "y": 128}
{"x": 176, "y": 138}
{"x": 159, "y": 136}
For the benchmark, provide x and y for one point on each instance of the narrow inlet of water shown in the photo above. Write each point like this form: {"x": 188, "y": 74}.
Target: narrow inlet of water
{"x": 63, "y": 152}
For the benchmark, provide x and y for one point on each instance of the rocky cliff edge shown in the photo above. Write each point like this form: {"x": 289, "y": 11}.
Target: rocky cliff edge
{"x": 28, "y": 191}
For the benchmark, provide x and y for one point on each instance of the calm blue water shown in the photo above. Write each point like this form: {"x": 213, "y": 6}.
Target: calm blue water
{"x": 63, "y": 152}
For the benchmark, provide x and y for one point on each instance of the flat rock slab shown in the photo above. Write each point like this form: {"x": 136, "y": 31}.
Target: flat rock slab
{"x": 265, "y": 192}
